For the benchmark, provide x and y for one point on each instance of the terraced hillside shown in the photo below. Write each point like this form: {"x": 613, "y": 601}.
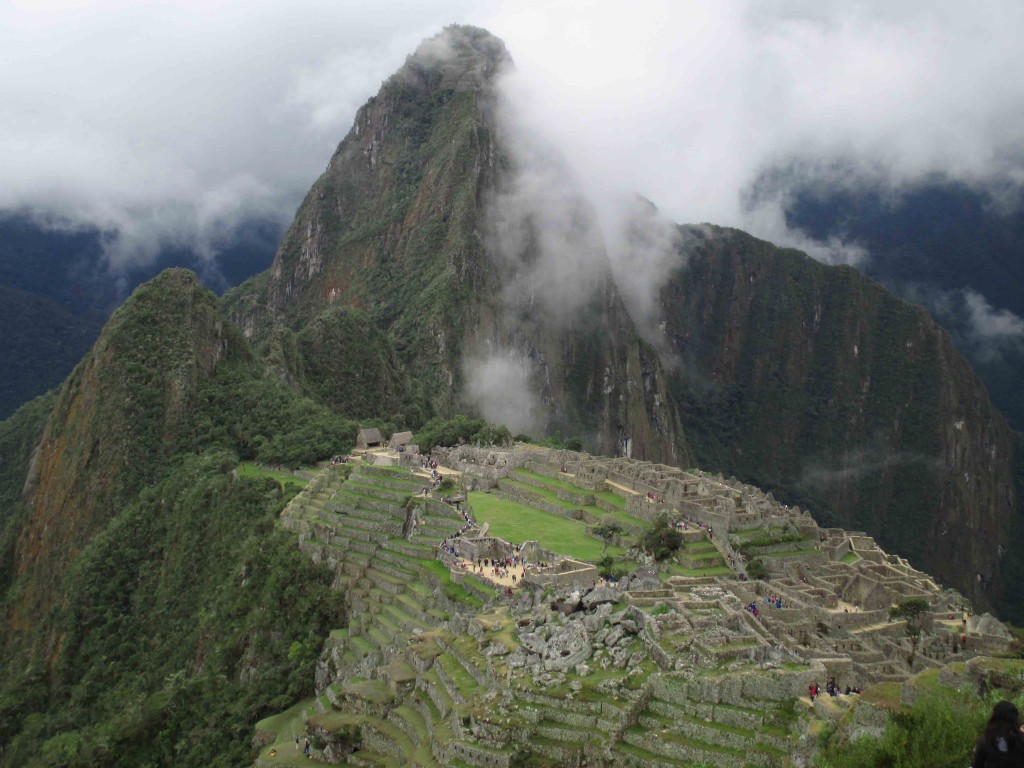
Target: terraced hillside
{"x": 432, "y": 668}
{"x": 681, "y": 663}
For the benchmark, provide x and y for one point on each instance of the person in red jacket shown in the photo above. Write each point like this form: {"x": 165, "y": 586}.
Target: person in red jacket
{"x": 1002, "y": 743}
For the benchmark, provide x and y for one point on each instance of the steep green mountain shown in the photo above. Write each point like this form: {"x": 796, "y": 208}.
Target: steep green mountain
{"x": 396, "y": 227}
{"x": 57, "y": 289}
{"x": 816, "y": 382}
{"x": 138, "y": 571}
{"x": 932, "y": 244}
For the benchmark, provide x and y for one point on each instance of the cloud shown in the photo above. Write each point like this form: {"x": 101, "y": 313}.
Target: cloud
{"x": 169, "y": 122}
{"x": 498, "y": 385}
{"x": 691, "y": 104}
{"x": 991, "y": 330}
{"x": 986, "y": 334}
{"x": 540, "y": 227}
{"x": 853, "y": 466}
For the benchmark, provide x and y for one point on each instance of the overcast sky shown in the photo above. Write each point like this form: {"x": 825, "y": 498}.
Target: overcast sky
{"x": 172, "y": 121}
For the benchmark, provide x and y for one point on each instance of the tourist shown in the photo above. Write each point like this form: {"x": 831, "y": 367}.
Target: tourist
{"x": 1001, "y": 744}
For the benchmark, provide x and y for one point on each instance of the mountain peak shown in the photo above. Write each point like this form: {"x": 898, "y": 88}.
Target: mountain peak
{"x": 461, "y": 58}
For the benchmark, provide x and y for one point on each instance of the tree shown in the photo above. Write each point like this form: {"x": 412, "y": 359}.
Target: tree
{"x": 607, "y": 533}
{"x": 915, "y": 612}
{"x": 662, "y": 538}
{"x": 756, "y": 569}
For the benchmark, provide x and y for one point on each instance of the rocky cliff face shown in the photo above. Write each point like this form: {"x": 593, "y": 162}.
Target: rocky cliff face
{"x": 401, "y": 226}
{"x": 116, "y": 415}
{"x": 817, "y": 382}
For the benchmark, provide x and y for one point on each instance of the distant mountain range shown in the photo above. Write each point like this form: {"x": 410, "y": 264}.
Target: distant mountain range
{"x": 58, "y": 290}
{"x": 957, "y": 251}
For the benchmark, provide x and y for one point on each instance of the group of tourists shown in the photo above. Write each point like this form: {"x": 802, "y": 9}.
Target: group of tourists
{"x": 832, "y": 689}
{"x": 773, "y": 601}
{"x": 434, "y": 484}
{"x": 684, "y": 523}
{"x": 499, "y": 568}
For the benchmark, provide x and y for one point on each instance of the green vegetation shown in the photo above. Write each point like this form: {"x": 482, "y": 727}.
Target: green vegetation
{"x": 348, "y": 363}
{"x": 756, "y": 569}
{"x": 913, "y": 611}
{"x": 553, "y": 441}
{"x": 607, "y": 532}
{"x": 938, "y": 731}
{"x": 167, "y": 619}
{"x": 460, "y": 429}
{"x": 263, "y": 419}
{"x": 662, "y": 539}
{"x": 183, "y": 615}
{"x": 251, "y": 469}
{"x": 288, "y": 482}
{"x": 517, "y": 522}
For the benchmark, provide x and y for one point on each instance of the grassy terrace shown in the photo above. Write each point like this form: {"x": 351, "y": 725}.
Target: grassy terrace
{"x": 517, "y": 522}
{"x": 697, "y": 547}
{"x": 252, "y": 469}
{"x": 549, "y": 494}
{"x": 554, "y": 483}
{"x": 674, "y": 569}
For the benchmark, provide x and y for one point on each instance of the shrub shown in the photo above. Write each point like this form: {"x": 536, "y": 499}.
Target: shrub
{"x": 756, "y": 569}
{"x": 662, "y": 538}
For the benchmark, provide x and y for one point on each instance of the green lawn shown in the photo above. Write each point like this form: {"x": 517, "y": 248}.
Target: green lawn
{"x": 619, "y": 502}
{"x": 517, "y": 522}
{"x": 551, "y": 482}
{"x": 252, "y": 469}
{"x": 549, "y": 495}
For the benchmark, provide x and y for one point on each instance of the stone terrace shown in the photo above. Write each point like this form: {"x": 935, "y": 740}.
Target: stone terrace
{"x": 436, "y": 667}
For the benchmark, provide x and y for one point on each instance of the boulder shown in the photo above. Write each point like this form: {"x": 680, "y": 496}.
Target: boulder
{"x": 533, "y": 642}
{"x": 593, "y": 622}
{"x": 600, "y": 596}
{"x": 614, "y": 635}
